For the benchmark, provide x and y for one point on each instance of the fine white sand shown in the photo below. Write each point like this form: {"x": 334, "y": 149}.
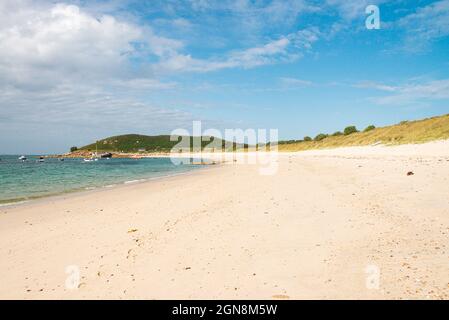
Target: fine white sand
{"x": 344, "y": 223}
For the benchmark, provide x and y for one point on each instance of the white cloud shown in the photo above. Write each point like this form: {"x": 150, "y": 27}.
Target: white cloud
{"x": 142, "y": 84}
{"x": 412, "y": 92}
{"x": 281, "y": 11}
{"x": 287, "y": 48}
{"x": 259, "y": 55}
{"x": 425, "y": 24}
{"x": 226, "y": 22}
{"x": 375, "y": 85}
{"x": 294, "y": 82}
{"x": 352, "y": 9}
{"x": 249, "y": 58}
{"x": 54, "y": 119}
{"x": 182, "y": 23}
{"x": 62, "y": 42}
{"x": 63, "y": 64}
{"x": 303, "y": 39}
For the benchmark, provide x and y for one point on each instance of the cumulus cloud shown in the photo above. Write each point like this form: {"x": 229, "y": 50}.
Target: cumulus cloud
{"x": 67, "y": 66}
{"x": 61, "y": 42}
{"x": 63, "y": 67}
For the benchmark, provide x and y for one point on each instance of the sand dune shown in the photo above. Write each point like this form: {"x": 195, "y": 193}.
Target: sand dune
{"x": 344, "y": 223}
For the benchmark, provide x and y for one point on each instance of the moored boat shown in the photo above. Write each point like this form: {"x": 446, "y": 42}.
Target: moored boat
{"x": 93, "y": 157}
{"x": 106, "y": 155}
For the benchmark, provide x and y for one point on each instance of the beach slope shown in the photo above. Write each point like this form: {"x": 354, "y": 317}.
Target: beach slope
{"x": 367, "y": 222}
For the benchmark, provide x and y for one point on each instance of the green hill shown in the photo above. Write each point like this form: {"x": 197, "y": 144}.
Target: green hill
{"x": 418, "y": 131}
{"x": 130, "y": 143}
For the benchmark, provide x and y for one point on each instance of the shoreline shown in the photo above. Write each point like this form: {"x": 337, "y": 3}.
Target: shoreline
{"x": 309, "y": 231}
{"x": 130, "y": 155}
{"x": 432, "y": 149}
{"x": 80, "y": 192}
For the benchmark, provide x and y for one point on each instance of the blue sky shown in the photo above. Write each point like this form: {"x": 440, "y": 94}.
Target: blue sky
{"x": 75, "y": 71}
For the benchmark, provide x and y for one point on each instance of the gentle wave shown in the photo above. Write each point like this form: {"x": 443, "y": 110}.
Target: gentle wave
{"x": 25, "y": 181}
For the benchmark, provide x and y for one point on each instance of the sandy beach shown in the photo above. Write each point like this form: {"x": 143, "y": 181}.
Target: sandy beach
{"x": 334, "y": 224}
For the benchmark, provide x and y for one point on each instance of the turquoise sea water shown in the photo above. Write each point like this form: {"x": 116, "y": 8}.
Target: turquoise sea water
{"x": 21, "y": 181}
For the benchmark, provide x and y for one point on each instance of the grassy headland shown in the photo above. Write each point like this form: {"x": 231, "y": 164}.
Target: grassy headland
{"x": 135, "y": 143}
{"x": 418, "y": 131}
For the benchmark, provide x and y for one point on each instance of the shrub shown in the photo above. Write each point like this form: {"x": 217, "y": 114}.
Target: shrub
{"x": 337, "y": 133}
{"x": 320, "y": 137}
{"x": 73, "y": 149}
{"x": 369, "y": 128}
{"x": 349, "y": 130}
{"x": 307, "y": 138}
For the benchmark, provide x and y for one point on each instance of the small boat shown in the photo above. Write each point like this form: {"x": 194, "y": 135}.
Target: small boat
{"x": 41, "y": 159}
{"x": 106, "y": 155}
{"x": 94, "y": 156}
{"x": 61, "y": 159}
{"x": 22, "y": 158}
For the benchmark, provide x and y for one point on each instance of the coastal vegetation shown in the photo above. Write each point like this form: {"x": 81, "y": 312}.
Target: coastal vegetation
{"x": 349, "y": 130}
{"x": 418, "y": 131}
{"x": 321, "y": 136}
{"x": 135, "y": 143}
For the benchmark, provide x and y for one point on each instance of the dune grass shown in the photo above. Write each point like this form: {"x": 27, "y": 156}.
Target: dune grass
{"x": 419, "y": 131}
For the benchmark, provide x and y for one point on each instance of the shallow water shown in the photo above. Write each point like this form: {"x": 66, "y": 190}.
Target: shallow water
{"x": 21, "y": 181}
